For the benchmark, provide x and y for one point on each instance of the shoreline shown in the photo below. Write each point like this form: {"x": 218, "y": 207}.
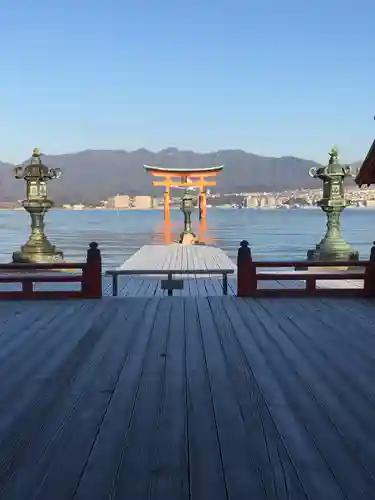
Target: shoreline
{"x": 177, "y": 208}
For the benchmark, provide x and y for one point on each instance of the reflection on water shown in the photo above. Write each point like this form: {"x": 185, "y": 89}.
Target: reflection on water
{"x": 169, "y": 231}
{"x": 274, "y": 234}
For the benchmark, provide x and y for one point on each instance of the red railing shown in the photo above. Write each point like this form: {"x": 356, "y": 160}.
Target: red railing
{"x": 27, "y": 275}
{"x": 248, "y": 277}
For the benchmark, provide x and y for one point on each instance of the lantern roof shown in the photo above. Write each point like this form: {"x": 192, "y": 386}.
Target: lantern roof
{"x": 35, "y": 169}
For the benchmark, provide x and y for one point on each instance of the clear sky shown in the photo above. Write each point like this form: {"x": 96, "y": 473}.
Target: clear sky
{"x": 273, "y": 77}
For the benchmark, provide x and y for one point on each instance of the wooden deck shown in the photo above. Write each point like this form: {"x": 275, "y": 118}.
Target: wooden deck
{"x": 187, "y": 398}
{"x": 178, "y": 257}
{"x": 134, "y": 286}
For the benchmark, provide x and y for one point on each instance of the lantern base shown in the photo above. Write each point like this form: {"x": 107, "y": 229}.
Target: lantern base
{"x": 40, "y": 254}
{"x": 335, "y": 252}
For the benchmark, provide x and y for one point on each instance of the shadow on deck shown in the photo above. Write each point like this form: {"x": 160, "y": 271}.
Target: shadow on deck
{"x": 202, "y": 398}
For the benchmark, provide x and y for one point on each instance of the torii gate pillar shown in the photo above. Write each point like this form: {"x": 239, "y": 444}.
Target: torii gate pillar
{"x": 167, "y": 204}
{"x": 202, "y": 204}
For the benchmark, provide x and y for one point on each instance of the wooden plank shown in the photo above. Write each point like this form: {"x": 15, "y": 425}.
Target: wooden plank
{"x": 170, "y": 479}
{"x": 232, "y": 286}
{"x": 217, "y": 286}
{"x": 66, "y": 439}
{"x": 133, "y": 474}
{"x": 271, "y": 461}
{"x": 239, "y": 461}
{"x": 96, "y": 478}
{"x": 211, "y": 290}
{"x": 361, "y": 308}
{"x": 340, "y": 346}
{"x": 299, "y": 293}
{"x": 308, "y": 275}
{"x": 205, "y": 454}
{"x": 106, "y": 286}
{"x": 34, "y": 401}
{"x": 201, "y": 288}
{"x": 146, "y": 288}
{"x": 23, "y": 349}
{"x": 336, "y": 373}
{"x": 41, "y": 295}
{"x": 318, "y": 406}
{"x": 114, "y": 463}
{"x": 130, "y": 287}
{"x": 197, "y": 287}
{"x": 296, "y": 436}
{"x": 193, "y": 287}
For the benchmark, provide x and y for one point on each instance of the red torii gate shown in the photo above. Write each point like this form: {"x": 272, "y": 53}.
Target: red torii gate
{"x": 184, "y": 178}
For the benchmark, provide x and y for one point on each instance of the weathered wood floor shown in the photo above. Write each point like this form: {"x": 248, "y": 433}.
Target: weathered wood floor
{"x": 187, "y": 398}
{"x": 208, "y": 287}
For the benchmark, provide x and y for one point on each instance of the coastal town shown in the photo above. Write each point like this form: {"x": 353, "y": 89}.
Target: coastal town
{"x": 302, "y": 198}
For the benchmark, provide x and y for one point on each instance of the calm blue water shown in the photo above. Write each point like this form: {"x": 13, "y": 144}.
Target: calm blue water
{"x": 276, "y": 234}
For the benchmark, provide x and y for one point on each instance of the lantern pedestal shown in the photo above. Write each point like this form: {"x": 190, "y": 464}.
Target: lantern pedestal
{"x": 332, "y": 247}
{"x": 336, "y": 251}
{"x": 29, "y": 254}
{"x": 37, "y": 248}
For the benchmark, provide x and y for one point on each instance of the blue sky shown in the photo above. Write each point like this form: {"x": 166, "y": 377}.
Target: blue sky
{"x": 271, "y": 77}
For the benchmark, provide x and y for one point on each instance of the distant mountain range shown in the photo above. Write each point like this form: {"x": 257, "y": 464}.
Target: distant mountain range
{"x": 93, "y": 175}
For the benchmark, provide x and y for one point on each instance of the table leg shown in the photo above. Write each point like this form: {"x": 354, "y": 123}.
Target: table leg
{"x": 114, "y": 285}
{"x": 225, "y": 284}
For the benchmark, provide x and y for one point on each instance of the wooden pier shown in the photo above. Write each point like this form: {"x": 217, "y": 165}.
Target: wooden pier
{"x": 187, "y": 398}
{"x": 201, "y": 269}
{"x": 169, "y": 261}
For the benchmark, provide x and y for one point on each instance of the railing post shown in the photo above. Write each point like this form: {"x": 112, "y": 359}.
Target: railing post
{"x": 369, "y": 279}
{"x": 92, "y": 273}
{"x": 310, "y": 284}
{"x": 246, "y": 272}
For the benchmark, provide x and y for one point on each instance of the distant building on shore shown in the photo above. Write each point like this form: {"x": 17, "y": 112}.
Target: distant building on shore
{"x": 251, "y": 201}
{"x": 142, "y": 202}
{"x": 119, "y": 201}
{"x": 125, "y": 201}
{"x": 69, "y": 206}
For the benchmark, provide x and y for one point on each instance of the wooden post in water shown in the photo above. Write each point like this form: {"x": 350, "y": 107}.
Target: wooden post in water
{"x": 202, "y": 203}
{"x": 246, "y": 272}
{"x": 167, "y": 203}
{"x": 92, "y": 273}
